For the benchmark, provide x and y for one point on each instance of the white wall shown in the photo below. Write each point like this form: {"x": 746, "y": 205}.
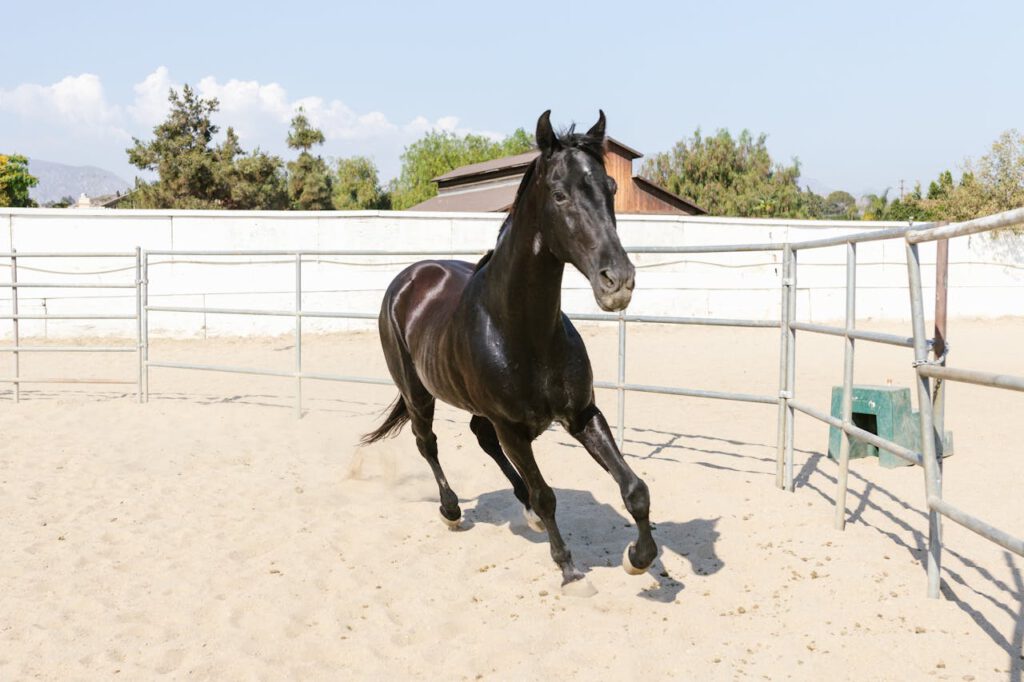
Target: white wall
{"x": 986, "y": 272}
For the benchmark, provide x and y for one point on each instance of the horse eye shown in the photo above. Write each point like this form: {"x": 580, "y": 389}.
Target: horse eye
{"x": 559, "y": 196}
{"x": 613, "y": 186}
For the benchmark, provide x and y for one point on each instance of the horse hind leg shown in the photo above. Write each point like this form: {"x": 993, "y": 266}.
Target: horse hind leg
{"x": 422, "y": 417}
{"x": 485, "y": 434}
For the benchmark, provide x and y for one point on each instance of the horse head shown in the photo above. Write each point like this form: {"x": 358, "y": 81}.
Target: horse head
{"x": 579, "y": 213}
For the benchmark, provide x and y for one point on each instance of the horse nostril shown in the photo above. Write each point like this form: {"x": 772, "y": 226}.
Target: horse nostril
{"x": 608, "y": 280}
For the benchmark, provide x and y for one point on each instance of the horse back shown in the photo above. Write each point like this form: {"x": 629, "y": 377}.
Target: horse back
{"x": 421, "y": 300}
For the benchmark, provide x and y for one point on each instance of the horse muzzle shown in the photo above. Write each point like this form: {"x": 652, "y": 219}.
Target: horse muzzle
{"x": 613, "y": 286}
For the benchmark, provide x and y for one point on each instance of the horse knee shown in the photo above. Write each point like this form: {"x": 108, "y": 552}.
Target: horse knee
{"x": 637, "y": 498}
{"x": 543, "y": 502}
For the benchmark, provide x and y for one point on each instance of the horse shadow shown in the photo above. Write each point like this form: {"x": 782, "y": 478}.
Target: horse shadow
{"x": 597, "y": 533}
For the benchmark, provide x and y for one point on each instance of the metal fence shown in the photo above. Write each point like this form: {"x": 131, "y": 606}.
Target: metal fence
{"x": 930, "y": 408}
{"x": 299, "y": 374}
{"x": 15, "y": 317}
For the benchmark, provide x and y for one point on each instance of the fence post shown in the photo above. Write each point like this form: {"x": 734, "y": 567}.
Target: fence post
{"x": 791, "y": 368}
{"x": 138, "y": 317}
{"x": 298, "y": 335}
{"x": 622, "y": 379}
{"x": 145, "y": 326}
{"x": 14, "y": 320}
{"x": 932, "y": 472}
{"x": 844, "y": 438}
{"x": 939, "y": 347}
{"x": 780, "y": 431}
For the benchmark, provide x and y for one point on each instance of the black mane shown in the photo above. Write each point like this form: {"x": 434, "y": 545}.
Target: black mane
{"x": 591, "y": 145}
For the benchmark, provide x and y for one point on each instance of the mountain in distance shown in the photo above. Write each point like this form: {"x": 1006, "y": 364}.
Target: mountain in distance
{"x": 58, "y": 180}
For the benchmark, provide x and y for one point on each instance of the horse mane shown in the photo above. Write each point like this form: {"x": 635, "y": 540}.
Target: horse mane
{"x": 592, "y": 145}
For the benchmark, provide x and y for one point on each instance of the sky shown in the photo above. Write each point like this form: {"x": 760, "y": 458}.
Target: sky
{"x": 865, "y": 94}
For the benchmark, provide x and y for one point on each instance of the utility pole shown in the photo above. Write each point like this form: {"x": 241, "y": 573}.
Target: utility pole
{"x": 901, "y": 189}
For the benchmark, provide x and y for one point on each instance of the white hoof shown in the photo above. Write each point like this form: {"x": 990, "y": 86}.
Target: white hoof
{"x": 628, "y": 565}
{"x": 579, "y": 588}
{"x": 452, "y": 525}
{"x": 533, "y": 521}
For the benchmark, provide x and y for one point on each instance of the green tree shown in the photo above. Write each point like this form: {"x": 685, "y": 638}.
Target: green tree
{"x": 15, "y": 181}
{"x": 181, "y": 155}
{"x": 1000, "y": 173}
{"x": 437, "y": 153}
{"x": 309, "y": 179}
{"x": 911, "y": 207}
{"x": 357, "y": 187}
{"x": 195, "y": 174}
{"x": 731, "y": 176}
{"x": 840, "y": 205}
{"x": 254, "y": 181}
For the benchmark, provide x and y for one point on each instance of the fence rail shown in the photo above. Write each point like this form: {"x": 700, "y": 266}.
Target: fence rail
{"x": 15, "y": 317}
{"x": 621, "y": 386}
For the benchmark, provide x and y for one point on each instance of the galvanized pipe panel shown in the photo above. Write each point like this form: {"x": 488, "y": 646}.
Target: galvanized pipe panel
{"x": 353, "y": 316}
{"x": 22, "y": 380}
{"x": 68, "y": 254}
{"x": 138, "y": 318}
{"x": 689, "y": 392}
{"x": 985, "y": 224}
{"x": 298, "y": 336}
{"x": 220, "y": 368}
{"x": 785, "y": 329}
{"x": 220, "y": 311}
{"x": 854, "y": 238}
{"x": 621, "y": 426}
{"x": 791, "y": 369}
{"x": 932, "y": 469}
{"x": 970, "y": 376}
{"x": 859, "y": 433}
{"x": 847, "y": 403}
{"x": 14, "y": 324}
{"x": 68, "y": 349}
{"x": 858, "y": 334}
{"x": 66, "y": 285}
{"x": 67, "y": 317}
{"x": 985, "y": 530}
{"x": 319, "y": 376}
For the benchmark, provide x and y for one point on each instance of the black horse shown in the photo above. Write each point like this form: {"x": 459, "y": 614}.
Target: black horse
{"x": 493, "y": 340}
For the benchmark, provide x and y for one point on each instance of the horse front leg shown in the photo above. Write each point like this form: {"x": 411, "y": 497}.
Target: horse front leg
{"x": 591, "y": 429}
{"x": 519, "y": 450}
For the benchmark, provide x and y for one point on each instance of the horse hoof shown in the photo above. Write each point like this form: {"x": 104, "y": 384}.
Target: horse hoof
{"x": 628, "y": 565}
{"x": 452, "y": 524}
{"x": 533, "y": 521}
{"x": 579, "y": 588}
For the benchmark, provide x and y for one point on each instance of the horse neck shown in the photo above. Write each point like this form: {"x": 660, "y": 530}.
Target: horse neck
{"x": 525, "y": 279}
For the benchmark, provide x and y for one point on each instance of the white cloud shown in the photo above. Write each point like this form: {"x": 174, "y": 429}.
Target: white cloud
{"x": 76, "y": 101}
{"x": 259, "y": 112}
{"x": 150, "y": 105}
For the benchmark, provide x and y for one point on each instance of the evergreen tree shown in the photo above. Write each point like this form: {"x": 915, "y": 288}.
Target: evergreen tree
{"x": 195, "y": 174}
{"x": 309, "y": 179}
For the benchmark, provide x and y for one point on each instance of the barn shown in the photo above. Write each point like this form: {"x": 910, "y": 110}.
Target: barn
{"x": 491, "y": 186}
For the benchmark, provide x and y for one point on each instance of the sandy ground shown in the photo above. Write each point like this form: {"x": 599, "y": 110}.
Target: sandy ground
{"x": 211, "y": 535}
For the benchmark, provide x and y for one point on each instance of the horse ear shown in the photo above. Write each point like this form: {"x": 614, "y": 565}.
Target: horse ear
{"x": 598, "y": 128}
{"x": 546, "y": 140}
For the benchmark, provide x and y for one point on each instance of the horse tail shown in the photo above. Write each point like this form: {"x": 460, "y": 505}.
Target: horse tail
{"x": 392, "y": 425}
